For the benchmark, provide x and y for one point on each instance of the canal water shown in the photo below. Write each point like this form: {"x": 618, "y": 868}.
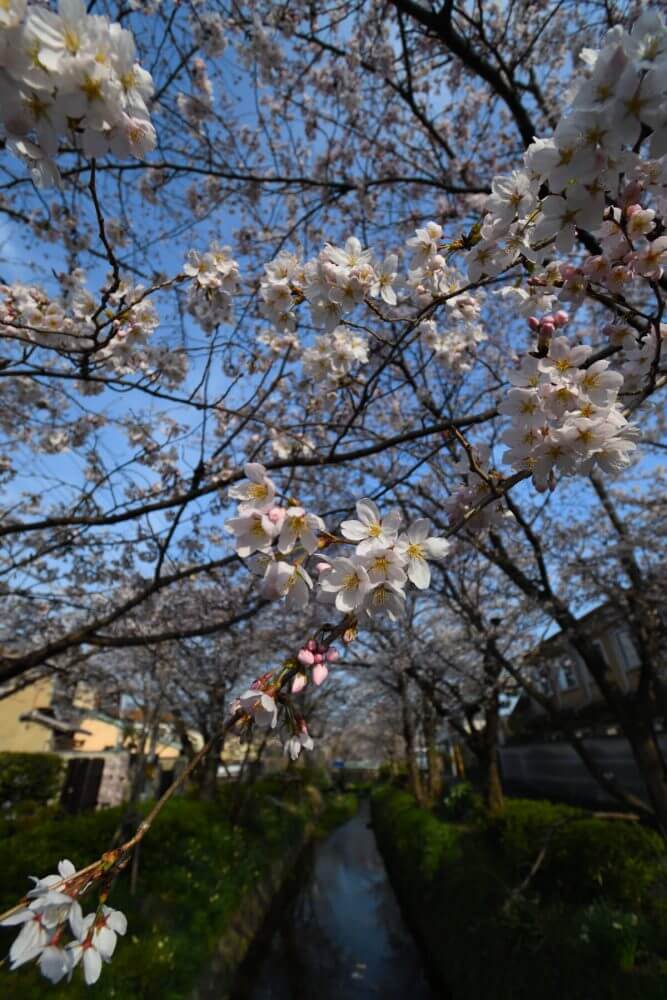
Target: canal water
{"x": 339, "y": 934}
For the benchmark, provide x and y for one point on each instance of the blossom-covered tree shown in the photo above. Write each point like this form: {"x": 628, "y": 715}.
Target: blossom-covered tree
{"x": 297, "y": 301}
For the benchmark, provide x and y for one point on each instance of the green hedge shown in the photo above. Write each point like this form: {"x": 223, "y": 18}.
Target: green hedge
{"x": 35, "y": 777}
{"x": 195, "y": 868}
{"x": 589, "y": 925}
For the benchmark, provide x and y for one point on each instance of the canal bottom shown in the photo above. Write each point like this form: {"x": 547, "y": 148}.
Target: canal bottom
{"x": 337, "y": 932}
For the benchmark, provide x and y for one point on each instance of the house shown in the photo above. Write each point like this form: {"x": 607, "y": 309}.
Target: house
{"x": 44, "y": 716}
{"x": 560, "y": 673}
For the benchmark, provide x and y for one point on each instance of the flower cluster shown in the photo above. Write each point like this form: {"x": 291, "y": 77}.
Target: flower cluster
{"x": 215, "y": 279}
{"x": 477, "y": 502}
{"x": 53, "y": 909}
{"x": 119, "y": 343}
{"x": 370, "y": 581}
{"x": 564, "y": 410}
{"x": 587, "y": 161}
{"x": 280, "y": 540}
{"x": 260, "y": 707}
{"x": 70, "y": 74}
{"x": 333, "y": 356}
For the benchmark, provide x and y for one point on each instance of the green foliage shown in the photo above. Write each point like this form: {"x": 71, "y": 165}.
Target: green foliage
{"x": 588, "y": 924}
{"x": 34, "y": 777}
{"x": 195, "y": 869}
{"x": 461, "y": 802}
{"x": 584, "y": 857}
{"x": 338, "y": 808}
{"x": 612, "y": 933}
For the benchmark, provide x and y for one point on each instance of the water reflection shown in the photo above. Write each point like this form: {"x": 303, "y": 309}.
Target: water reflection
{"x": 341, "y": 935}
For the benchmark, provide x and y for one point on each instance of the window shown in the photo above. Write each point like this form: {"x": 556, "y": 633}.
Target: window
{"x": 627, "y": 649}
{"x": 601, "y": 650}
{"x": 567, "y": 674}
{"x": 542, "y": 681}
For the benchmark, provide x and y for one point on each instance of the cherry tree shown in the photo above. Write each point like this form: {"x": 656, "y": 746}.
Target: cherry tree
{"x": 316, "y": 296}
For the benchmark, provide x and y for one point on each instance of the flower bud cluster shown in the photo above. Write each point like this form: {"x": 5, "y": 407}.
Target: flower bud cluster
{"x": 70, "y": 74}
{"x": 316, "y": 655}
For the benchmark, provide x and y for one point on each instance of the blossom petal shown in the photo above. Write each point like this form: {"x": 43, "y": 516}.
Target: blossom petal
{"x": 437, "y": 548}
{"x": 419, "y": 529}
{"x": 367, "y": 511}
{"x": 419, "y": 572}
{"x": 92, "y": 965}
{"x": 354, "y": 531}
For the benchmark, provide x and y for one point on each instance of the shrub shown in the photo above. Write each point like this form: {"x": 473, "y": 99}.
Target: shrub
{"x": 585, "y": 858}
{"x": 588, "y": 925}
{"x": 29, "y": 776}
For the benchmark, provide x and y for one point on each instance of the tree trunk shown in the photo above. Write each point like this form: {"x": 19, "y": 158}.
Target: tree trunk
{"x": 433, "y": 756}
{"x": 208, "y": 774}
{"x": 651, "y": 766}
{"x": 493, "y": 789}
{"x": 414, "y": 777}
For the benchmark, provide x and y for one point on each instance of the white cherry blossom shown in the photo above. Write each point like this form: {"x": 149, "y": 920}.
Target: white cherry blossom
{"x": 416, "y": 546}
{"x": 346, "y": 584}
{"x": 257, "y": 493}
{"x": 370, "y": 530}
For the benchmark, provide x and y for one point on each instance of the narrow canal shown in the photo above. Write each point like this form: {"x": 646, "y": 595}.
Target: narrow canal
{"x": 340, "y": 934}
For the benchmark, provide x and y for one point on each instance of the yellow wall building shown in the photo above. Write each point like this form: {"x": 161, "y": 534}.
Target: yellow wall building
{"x": 26, "y": 737}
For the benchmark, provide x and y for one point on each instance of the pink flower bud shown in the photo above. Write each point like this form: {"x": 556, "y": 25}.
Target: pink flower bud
{"x": 632, "y": 210}
{"x": 276, "y": 515}
{"x": 561, "y": 318}
{"x": 311, "y": 645}
{"x": 306, "y": 657}
{"x": 298, "y": 683}
{"x": 318, "y": 658}
{"x": 533, "y": 323}
{"x": 323, "y": 567}
{"x": 332, "y": 655}
{"x": 320, "y": 674}
{"x": 547, "y": 329}
{"x": 631, "y": 193}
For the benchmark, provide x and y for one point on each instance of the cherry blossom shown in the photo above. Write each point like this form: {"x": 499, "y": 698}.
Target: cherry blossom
{"x": 96, "y": 936}
{"x": 416, "y": 547}
{"x": 371, "y": 530}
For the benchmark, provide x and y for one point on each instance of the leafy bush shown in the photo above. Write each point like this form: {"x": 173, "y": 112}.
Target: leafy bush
{"x": 611, "y": 933}
{"x": 584, "y": 857}
{"x": 337, "y": 809}
{"x": 29, "y": 776}
{"x": 587, "y": 925}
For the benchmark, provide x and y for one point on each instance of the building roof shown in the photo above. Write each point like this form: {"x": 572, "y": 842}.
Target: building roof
{"x": 59, "y": 725}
